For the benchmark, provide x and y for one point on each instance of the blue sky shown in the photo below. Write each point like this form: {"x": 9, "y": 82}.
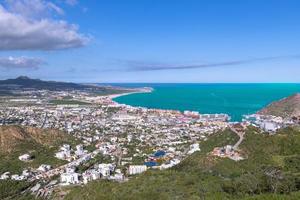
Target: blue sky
{"x": 151, "y": 40}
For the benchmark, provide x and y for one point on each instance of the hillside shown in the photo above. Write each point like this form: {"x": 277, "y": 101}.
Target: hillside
{"x": 40, "y": 143}
{"x": 12, "y": 136}
{"x": 271, "y": 171}
{"x": 286, "y": 107}
{"x": 24, "y": 83}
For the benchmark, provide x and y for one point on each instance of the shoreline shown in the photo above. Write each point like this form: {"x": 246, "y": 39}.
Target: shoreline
{"x": 139, "y": 90}
{"x": 113, "y": 97}
{"x": 147, "y": 90}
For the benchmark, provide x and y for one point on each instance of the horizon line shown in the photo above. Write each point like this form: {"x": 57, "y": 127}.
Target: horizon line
{"x": 190, "y": 82}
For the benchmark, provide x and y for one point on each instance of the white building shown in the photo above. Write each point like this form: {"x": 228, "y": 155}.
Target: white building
{"x": 172, "y": 163}
{"x": 16, "y": 177}
{"x": 63, "y": 155}
{"x": 193, "y": 114}
{"x": 65, "y": 152}
{"x": 129, "y": 138}
{"x": 269, "y": 126}
{"x": 90, "y": 175}
{"x": 44, "y": 168}
{"x": 136, "y": 169}
{"x": 5, "y": 176}
{"x": 69, "y": 178}
{"x": 25, "y": 157}
{"x": 79, "y": 150}
{"x": 106, "y": 169}
{"x": 213, "y": 117}
{"x": 117, "y": 177}
{"x": 193, "y": 148}
{"x": 26, "y": 173}
{"x": 70, "y": 170}
{"x": 65, "y": 147}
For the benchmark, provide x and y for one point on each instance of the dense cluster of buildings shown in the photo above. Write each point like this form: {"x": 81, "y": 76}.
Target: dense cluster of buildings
{"x": 268, "y": 123}
{"x": 133, "y": 139}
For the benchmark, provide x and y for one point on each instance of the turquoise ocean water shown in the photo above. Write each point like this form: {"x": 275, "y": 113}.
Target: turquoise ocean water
{"x": 233, "y": 99}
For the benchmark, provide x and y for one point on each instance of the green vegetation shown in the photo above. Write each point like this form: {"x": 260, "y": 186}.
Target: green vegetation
{"x": 270, "y": 171}
{"x": 12, "y": 190}
{"x": 41, "y": 144}
{"x": 41, "y": 155}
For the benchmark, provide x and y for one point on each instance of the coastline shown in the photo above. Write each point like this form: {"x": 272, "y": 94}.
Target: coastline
{"x": 139, "y": 90}
{"x": 188, "y": 98}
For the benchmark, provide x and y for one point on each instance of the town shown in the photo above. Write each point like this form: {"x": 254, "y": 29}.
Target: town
{"x": 117, "y": 140}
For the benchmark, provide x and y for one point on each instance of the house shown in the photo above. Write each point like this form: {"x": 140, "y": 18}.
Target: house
{"x": 172, "y": 163}
{"x": 70, "y": 170}
{"x": 117, "y": 177}
{"x": 136, "y": 169}
{"x": 25, "y": 157}
{"x": 65, "y": 147}
{"x": 90, "y": 175}
{"x": 44, "y": 168}
{"x": 106, "y": 169}
{"x": 62, "y": 155}
{"x": 269, "y": 126}
{"x": 5, "y": 176}
{"x": 79, "y": 150}
{"x": 193, "y": 148}
{"x": 65, "y": 152}
{"x": 26, "y": 173}
{"x": 16, "y": 177}
{"x": 69, "y": 178}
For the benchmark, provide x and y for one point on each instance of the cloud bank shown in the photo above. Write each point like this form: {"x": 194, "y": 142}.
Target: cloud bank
{"x": 24, "y": 25}
{"x": 20, "y": 63}
{"x": 154, "y": 66}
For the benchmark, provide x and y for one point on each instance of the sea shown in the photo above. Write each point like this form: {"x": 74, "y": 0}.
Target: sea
{"x": 233, "y": 99}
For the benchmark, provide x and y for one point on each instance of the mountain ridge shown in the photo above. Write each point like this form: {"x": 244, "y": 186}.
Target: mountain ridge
{"x": 26, "y": 83}
{"x": 286, "y": 107}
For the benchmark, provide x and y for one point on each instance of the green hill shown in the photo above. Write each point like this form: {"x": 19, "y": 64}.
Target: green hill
{"x": 271, "y": 171}
{"x": 39, "y": 143}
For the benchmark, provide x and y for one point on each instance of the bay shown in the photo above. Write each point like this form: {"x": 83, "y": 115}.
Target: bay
{"x": 232, "y": 99}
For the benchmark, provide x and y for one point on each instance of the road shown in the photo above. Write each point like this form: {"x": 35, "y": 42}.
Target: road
{"x": 240, "y": 134}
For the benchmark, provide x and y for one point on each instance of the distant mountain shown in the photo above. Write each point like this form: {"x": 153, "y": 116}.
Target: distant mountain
{"x": 24, "y": 82}
{"x": 287, "y": 107}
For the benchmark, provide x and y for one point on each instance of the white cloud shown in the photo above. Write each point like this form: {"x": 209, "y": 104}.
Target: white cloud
{"x": 20, "y": 30}
{"x": 21, "y": 63}
{"x": 33, "y": 9}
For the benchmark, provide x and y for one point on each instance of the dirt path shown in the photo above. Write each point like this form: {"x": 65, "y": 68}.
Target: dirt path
{"x": 240, "y": 134}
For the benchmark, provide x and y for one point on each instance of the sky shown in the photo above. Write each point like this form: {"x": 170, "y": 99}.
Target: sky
{"x": 164, "y": 41}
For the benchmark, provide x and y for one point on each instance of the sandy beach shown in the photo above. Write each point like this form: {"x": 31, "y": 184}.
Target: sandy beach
{"x": 139, "y": 90}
